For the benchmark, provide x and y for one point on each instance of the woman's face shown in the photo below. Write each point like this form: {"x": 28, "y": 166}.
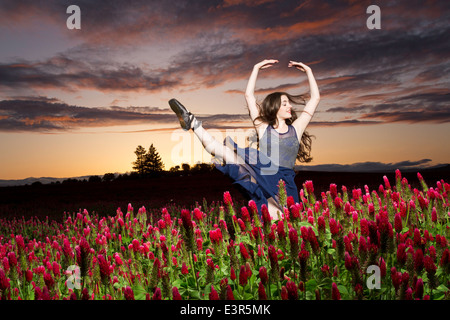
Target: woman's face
{"x": 284, "y": 112}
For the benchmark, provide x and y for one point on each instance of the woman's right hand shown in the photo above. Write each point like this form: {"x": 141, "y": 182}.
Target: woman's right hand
{"x": 266, "y": 63}
{"x": 250, "y": 90}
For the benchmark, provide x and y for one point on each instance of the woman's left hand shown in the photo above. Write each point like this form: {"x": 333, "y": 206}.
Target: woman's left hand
{"x": 300, "y": 66}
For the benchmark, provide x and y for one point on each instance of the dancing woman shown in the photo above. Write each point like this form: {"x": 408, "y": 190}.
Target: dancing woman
{"x": 282, "y": 141}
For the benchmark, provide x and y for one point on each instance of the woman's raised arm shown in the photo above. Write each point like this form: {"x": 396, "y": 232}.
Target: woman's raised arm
{"x": 250, "y": 91}
{"x": 303, "y": 120}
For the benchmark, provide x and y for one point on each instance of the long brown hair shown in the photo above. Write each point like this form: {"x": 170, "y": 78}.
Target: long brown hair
{"x": 268, "y": 114}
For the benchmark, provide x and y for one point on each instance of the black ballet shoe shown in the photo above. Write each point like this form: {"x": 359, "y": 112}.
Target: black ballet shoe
{"x": 183, "y": 115}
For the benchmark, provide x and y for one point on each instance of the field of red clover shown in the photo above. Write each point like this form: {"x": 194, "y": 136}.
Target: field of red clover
{"x": 383, "y": 244}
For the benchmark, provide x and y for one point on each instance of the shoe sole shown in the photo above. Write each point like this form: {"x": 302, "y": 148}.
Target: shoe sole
{"x": 175, "y": 106}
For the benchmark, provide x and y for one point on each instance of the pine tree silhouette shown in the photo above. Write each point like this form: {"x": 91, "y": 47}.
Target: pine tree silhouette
{"x": 139, "y": 164}
{"x": 153, "y": 162}
{"x": 147, "y": 163}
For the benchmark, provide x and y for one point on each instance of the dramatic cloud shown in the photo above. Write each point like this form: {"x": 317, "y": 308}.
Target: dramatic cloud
{"x": 43, "y": 115}
{"x": 117, "y": 72}
{"x": 370, "y": 166}
{"x": 29, "y": 115}
{"x": 398, "y": 73}
{"x": 64, "y": 73}
{"x": 426, "y": 107}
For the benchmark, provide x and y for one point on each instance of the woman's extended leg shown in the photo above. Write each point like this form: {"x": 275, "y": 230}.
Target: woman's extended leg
{"x": 212, "y": 146}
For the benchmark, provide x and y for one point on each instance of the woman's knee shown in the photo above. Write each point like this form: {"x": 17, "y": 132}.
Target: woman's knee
{"x": 273, "y": 208}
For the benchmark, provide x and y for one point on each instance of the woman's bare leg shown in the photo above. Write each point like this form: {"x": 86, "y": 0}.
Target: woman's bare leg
{"x": 212, "y": 146}
{"x": 273, "y": 208}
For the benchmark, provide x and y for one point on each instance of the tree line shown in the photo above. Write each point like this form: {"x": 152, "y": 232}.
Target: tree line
{"x": 148, "y": 164}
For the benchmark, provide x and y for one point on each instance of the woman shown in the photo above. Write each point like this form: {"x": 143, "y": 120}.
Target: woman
{"x": 282, "y": 140}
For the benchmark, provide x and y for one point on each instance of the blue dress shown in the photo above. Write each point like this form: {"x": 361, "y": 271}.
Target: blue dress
{"x": 259, "y": 171}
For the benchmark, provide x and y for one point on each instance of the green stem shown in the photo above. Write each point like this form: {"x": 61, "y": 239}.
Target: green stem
{"x": 279, "y": 289}
{"x": 317, "y": 264}
{"x": 407, "y": 216}
{"x": 293, "y": 267}
{"x": 390, "y": 262}
{"x": 195, "y": 271}
{"x": 82, "y": 284}
{"x": 20, "y": 289}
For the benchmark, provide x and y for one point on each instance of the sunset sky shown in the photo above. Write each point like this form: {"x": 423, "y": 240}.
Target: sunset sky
{"x": 79, "y": 102}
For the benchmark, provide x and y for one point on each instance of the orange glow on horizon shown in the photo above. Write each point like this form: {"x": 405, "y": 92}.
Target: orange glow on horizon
{"x": 67, "y": 155}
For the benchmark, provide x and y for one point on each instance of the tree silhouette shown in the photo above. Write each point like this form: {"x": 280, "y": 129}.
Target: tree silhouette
{"x": 186, "y": 167}
{"x": 107, "y": 177}
{"x": 147, "y": 162}
{"x": 153, "y": 162}
{"x": 139, "y": 164}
